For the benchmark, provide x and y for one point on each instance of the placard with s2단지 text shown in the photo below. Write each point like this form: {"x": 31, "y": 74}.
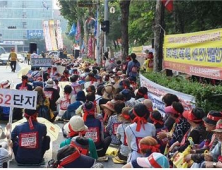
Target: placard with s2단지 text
{"x": 18, "y": 98}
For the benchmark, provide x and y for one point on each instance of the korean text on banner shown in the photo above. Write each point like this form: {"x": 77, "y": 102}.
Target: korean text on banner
{"x": 198, "y": 53}
{"x": 52, "y": 34}
{"x": 18, "y": 98}
{"x": 156, "y": 92}
{"x": 59, "y": 34}
{"x": 48, "y": 43}
{"x": 41, "y": 62}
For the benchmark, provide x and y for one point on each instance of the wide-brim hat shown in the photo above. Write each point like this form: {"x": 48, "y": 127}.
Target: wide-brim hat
{"x": 5, "y": 84}
{"x": 218, "y": 127}
{"x": 212, "y": 117}
{"x": 155, "y": 160}
{"x": 50, "y": 83}
{"x": 76, "y": 124}
{"x": 109, "y": 105}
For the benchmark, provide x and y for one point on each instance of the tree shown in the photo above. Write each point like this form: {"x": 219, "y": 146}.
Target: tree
{"x": 124, "y": 7}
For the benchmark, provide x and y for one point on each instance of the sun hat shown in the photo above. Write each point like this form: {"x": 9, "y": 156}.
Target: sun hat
{"x": 49, "y": 83}
{"x": 213, "y": 117}
{"x": 195, "y": 115}
{"x": 108, "y": 91}
{"x": 5, "y": 84}
{"x": 218, "y": 126}
{"x": 109, "y": 105}
{"x": 155, "y": 160}
{"x": 76, "y": 124}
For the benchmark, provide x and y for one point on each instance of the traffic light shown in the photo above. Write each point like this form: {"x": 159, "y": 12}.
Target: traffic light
{"x": 11, "y": 27}
{"x": 105, "y": 26}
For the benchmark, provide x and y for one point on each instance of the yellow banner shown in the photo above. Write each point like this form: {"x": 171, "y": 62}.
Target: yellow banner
{"x": 202, "y": 49}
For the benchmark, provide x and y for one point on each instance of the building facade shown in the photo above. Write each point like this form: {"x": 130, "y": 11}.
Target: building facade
{"x": 21, "y": 20}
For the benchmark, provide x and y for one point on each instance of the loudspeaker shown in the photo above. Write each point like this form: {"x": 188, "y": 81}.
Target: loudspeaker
{"x": 76, "y": 54}
{"x": 32, "y": 47}
{"x": 152, "y": 42}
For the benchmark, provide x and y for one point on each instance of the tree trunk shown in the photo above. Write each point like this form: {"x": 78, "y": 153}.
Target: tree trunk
{"x": 124, "y": 7}
{"x": 158, "y": 36}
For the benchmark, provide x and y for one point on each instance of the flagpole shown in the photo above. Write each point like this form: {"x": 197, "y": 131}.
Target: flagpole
{"x": 106, "y": 6}
{"x": 97, "y": 35}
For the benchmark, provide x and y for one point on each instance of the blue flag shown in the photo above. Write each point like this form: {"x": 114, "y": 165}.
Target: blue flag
{"x": 72, "y": 31}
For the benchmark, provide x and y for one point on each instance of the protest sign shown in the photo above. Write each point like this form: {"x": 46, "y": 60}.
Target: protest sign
{"x": 41, "y": 62}
{"x": 156, "y": 92}
{"x": 17, "y": 98}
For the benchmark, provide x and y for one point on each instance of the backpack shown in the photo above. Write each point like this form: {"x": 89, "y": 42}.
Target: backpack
{"x": 44, "y": 111}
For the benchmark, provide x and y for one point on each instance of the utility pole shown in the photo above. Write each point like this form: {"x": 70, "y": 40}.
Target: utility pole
{"x": 158, "y": 36}
{"x": 106, "y": 6}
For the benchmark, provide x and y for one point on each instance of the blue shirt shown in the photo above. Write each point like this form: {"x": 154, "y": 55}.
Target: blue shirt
{"x": 29, "y": 141}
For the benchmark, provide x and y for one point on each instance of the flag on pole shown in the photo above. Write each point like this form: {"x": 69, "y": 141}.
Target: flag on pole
{"x": 45, "y": 5}
{"x": 72, "y": 31}
{"x": 168, "y": 5}
{"x": 78, "y": 32}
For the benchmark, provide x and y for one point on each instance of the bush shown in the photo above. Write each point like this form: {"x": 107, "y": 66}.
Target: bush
{"x": 207, "y": 96}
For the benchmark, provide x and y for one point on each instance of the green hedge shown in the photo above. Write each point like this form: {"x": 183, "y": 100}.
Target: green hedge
{"x": 207, "y": 96}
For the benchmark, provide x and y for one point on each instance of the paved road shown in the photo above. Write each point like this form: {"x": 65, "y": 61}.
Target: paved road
{"x": 5, "y": 73}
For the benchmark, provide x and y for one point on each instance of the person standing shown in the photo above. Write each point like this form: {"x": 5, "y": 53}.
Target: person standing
{"x": 13, "y": 59}
{"x": 28, "y": 57}
{"x": 133, "y": 66}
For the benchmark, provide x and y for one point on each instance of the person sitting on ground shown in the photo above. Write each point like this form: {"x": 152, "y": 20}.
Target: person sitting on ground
{"x": 147, "y": 145}
{"x": 126, "y": 121}
{"x": 139, "y": 129}
{"x": 75, "y": 129}
{"x": 71, "y": 110}
{"x": 6, "y": 151}
{"x": 155, "y": 160}
{"x": 76, "y": 87}
{"x": 43, "y": 105}
{"x": 210, "y": 122}
{"x": 70, "y": 157}
{"x": 52, "y": 94}
{"x": 168, "y": 99}
{"x": 95, "y": 130}
{"x": 214, "y": 158}
{"x": 113, "y": 122}
{"x": 29, "y": 140}
{"x": 64, "y": 101}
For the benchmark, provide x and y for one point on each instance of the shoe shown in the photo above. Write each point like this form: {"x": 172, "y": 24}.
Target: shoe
{"x": 118, "y": 160}
{"x": 103, "y": 159}
{"x": 98, "y": 165}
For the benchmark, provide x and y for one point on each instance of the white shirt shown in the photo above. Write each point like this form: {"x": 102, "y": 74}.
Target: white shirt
{"x": 124, "y": 150}
{"x": 131, "y": 135}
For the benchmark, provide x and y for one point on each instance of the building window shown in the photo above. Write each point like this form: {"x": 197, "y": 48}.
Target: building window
{"x": 3, "y": 4}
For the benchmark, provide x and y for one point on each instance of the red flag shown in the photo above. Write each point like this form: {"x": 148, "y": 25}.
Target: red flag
{"x": 168, "y": 5}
